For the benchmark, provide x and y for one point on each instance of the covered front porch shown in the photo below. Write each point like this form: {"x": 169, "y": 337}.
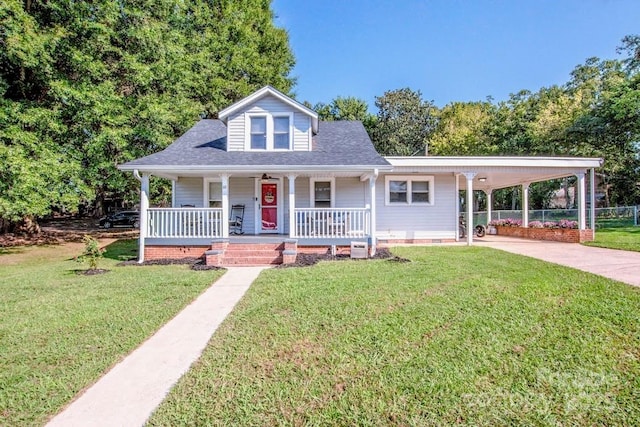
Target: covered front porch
{"x": 314, "y": 208}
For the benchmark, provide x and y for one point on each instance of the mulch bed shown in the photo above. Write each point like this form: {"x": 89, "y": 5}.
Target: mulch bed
{"x": 306, "y": 260}
{"x": 91, "y": 272}
{"x": 195, "y": 263}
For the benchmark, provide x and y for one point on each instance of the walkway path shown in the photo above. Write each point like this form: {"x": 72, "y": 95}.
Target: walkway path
{"x": 130, "y": 392}
{"x": 623, "y": 266}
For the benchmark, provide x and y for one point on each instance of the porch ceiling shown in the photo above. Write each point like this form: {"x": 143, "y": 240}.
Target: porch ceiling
{"x": 497, "y": 172}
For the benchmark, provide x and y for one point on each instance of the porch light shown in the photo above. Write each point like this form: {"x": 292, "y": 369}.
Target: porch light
{"x": 482, "y": 179}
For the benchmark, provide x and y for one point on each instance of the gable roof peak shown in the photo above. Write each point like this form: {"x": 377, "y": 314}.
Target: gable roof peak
{"x": 269, "y": 91}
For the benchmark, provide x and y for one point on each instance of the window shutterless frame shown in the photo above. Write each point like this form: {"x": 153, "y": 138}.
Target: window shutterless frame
{"x": 269, "y": 132}
{"x": 409, "y": 190}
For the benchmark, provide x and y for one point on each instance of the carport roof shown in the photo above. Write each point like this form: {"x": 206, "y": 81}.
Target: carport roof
{"x": 497, "y": 172}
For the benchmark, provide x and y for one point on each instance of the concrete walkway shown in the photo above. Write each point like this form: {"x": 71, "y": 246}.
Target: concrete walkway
{"x": 129, "y": 393}
{"x": 623, "y": 266}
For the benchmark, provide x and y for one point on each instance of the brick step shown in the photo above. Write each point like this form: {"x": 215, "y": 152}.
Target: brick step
{"x": 248, "y": 253}
{"x": 256, "y": 246}
{"x": 254, "y": 260}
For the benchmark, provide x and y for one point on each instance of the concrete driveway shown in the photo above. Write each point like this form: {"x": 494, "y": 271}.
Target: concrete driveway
{"x": 623, "y": 266}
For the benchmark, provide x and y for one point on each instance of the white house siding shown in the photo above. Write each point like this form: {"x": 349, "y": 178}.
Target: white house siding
{"x": 419, "y": 222}
{"x": 241, "y": 192}
{"x": 188, "y": 191}
{"x": 350, "y": 193}
{"x": 301, "y": 132}
{"x": 268, "y": 105}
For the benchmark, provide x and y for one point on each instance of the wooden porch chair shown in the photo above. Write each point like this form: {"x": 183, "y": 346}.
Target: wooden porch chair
{"x": 235, "y": 219}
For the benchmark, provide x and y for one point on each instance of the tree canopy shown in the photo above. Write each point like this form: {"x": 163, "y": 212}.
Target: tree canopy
{"x": 87, "y": 85}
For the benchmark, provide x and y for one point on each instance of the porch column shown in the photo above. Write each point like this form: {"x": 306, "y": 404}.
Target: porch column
{"x": 592, "y": 200}
{"x": 292, "y": 205}
{"x": 225, "y": 205}
{"x": 144, "y": 206}
{"x": 372, "y": 196}
{"x": 470, "y": 176}
{"x": 582, "y": 206}
{"x": 525, "y": 205}
{"x": 489, "y": 193}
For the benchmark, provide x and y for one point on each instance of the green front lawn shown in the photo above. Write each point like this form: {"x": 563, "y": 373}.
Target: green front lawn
{"x": 469, "y": 336}
{"x": 625, "y": 238}
{"x": 60, "y": 331}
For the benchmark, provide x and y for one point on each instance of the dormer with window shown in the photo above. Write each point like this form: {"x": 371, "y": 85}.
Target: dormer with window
{"x": 269, "y": 121}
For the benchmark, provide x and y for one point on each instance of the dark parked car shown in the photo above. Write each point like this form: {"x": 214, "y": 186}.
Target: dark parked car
{"x": 124, "y": 218}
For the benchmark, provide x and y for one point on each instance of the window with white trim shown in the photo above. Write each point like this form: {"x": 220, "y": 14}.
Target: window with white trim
{"x": 281, "y": 132}
{"x": 259, "y": 133}
{"x": 409, "y": 190}
{"x": 213, "y": 193}
{"x": 322, "y": 191}
{"x": 269, "y": 131}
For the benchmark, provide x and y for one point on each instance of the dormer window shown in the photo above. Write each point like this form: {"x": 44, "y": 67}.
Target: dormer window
{"x": 269, "y": 131}
{"x": 258, "y": 133}
{"x": 281, "y": 133}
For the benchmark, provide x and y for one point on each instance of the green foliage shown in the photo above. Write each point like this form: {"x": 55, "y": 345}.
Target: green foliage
{"x": 405, "y": 123}
{"x": 85, "y": 86}
{"x": 92, "y": 252}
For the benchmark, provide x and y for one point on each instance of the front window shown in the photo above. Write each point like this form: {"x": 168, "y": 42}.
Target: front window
{"x": 258, "y": 133}
{"x": 398, "y": 191}
{"x": 322, "y": 194}
{"x": 409, "y": 190}
{"x": 215, "y": 194}
{"x": 281, "y": 133}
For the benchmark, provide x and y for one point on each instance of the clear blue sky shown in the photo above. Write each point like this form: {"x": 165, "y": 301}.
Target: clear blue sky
{"x": 450, "y": 50}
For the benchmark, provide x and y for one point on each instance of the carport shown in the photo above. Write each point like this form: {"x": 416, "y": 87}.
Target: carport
{"x": 492, "y": 173}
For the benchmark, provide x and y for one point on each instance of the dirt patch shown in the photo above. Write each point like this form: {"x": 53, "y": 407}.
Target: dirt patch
{"x": 306, "y": 260}
{"x": 62, "y": 230}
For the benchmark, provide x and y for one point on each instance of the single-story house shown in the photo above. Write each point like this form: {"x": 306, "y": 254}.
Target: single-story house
{"x": 268, "y": 179}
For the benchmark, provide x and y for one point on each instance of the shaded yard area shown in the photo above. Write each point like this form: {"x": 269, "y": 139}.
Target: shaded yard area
{"x": 625, "y": 238}
{"x": 59, "y": 331}
{"x": 460, "y": 335}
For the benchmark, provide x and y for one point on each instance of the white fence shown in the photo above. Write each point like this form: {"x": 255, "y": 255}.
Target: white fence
{"x": 605, "y": 217}
{"x": 184, "y": 222}
{"x": 332, "y": 223}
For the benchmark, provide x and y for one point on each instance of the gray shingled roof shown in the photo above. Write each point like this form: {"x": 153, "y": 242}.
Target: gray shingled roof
{"x": 344, "y": 143}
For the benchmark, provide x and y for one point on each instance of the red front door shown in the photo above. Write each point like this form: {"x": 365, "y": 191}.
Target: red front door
{"x": 269, "y": 206}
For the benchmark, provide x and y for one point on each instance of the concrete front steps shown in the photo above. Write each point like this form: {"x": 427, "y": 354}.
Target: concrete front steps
{"x": 224, "y": 253}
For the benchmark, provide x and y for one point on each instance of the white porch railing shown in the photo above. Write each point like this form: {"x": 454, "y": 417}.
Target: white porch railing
{"x": 328, "y": 223}
{"x": 184, "y": 222}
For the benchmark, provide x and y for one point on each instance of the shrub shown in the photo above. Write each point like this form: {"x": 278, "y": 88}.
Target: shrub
{"x": 92, "y": 252}
{"x": 510, "y": 222}
{"x": 536, "y": 224}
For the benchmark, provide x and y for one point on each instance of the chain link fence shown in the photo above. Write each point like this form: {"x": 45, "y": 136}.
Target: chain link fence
{"x": 622, "y": 216}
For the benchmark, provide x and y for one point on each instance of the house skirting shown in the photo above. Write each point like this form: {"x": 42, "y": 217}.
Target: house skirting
{"x": 390, "y": 242}
{"x": 153, "y": 252}
{"x": 566, "y": 235}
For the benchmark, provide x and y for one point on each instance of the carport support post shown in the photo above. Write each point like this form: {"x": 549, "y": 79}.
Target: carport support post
{"x": 592, "y": 200}
{"x": 225, "y": 205}
{"x": 469, "y": 176}
{"x": 525, "y": 205}
{"x": 489, "y": 192}
{"x": 292, "y": 205}
{"x": 144, "y": 206}
{"x": 582, "y": 206}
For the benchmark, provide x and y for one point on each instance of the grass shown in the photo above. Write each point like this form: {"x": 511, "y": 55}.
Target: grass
{"x": 625, "y": 238}
{"x": 468, "y": 336}
{"x": 59, "y": 331}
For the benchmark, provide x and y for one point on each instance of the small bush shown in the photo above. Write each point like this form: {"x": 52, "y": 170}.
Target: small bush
{"x": 92, "y": 252}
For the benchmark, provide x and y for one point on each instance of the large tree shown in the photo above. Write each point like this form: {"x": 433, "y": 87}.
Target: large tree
{"x": 405, "y": 123}
{"x": 117, "y": 80}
